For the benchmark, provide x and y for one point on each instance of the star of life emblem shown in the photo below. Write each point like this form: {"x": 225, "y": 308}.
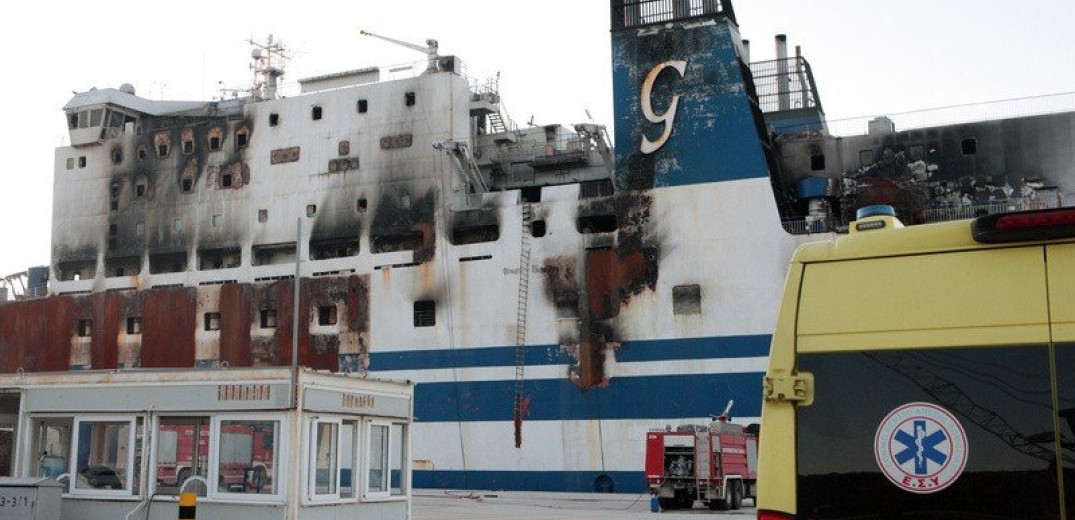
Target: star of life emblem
{"x": 921, "y": 448}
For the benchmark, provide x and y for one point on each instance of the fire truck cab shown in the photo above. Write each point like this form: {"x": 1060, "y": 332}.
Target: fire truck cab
{"x": 715, "y": 464}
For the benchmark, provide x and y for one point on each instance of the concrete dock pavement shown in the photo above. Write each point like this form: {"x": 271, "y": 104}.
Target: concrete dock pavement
{"x": 479, "y": 505}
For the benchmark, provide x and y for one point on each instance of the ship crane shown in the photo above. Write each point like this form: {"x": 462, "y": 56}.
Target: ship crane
{"x": 430, "y": 49}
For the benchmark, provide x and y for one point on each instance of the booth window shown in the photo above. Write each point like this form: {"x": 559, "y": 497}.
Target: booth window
{"x": 182, "y": 452}
{"x": 386, "y": 460}
{"x": 52, "y": 440}
{"x": 324, "y": 460}
{"x": 247, "y": 457}
{"x": 348, "y": 459}
{"x": 105, "y": 462}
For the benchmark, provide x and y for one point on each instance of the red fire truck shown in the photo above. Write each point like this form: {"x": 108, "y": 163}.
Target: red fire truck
{"x": 715, "y": 464}
{"x": 245, "y": 458}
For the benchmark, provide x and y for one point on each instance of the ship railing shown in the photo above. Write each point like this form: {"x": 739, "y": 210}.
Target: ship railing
{"x": 977, "y": 210}
{"x": 785, "y": 84}
{"x": 636, "y": 13}
{"x": 957, "y": 114}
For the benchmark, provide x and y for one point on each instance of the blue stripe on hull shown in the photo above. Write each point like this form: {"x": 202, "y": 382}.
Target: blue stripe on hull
{"x": 649, "y": 397}
{"x": 540, "y": 355}
{"x": 563, "y": 481}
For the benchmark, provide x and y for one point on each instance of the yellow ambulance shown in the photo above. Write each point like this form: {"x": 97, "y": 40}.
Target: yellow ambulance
{"x": 925, "y": 372}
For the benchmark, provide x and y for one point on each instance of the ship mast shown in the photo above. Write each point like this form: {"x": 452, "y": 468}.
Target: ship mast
{"x": 268, "y": 60}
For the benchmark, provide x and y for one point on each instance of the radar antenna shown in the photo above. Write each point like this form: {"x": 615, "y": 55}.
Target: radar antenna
{"x": 267, "y": 63}
{"x": 430, "y": 49}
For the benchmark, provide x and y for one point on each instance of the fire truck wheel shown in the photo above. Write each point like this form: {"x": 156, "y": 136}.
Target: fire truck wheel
{"x": 725, "y": 503}
{"x": 737, "y": 495}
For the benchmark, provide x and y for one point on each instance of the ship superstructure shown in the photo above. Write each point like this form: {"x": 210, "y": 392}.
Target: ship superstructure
{"x": 553, "y": 296}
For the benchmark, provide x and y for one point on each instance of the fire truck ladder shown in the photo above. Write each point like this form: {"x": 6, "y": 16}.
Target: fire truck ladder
{"x": 520, "y": 328}
{"x": 953, "y": 397}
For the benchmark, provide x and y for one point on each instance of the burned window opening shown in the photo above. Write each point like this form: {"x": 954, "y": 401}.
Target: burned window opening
{"x": 140, "y": 189}
{"x": 117, "y": 156}
{"x": 222, "y": 258}
{"x": 363, "y": 106}
{"x": 315, "y": 113}
{"x": 167, "y": 263}
{"x": 537, "y": 228}
{"x": 326, "y": 315}
{"x": 274, "y": 119}
{"x": 334, "y": 248}
{"x": 84, "y": 328}
{"x": 475, "y": 234}
{"x": 212, "y": 321}
{"x": 268, "y": 318}
{"x": 77, "y": 270}
{"x": 410, "y": 99}
{"x": 817, "y": 162}
{"x": 188, "y": 147}
{"x": 866, "y": 157}
{"x": 530, "y": 194}
{"x": 407, "y": 241}
{"x": 112, "y": 230}
{"x": 134, "y": 325}
{"x": 114, "y": 190}
{"x": 113, "y": 206}
{"x": 425, "y": 313}
{"x": 263, "y": 215}
{"x": 214, "y": 143}
{"x": 311, "y": 210}
{"x": 686, "y": 300}
{"x": 141, "y": 153}
{"x": 598, "y": 224}
{"x": 361, "y": 205}
{"x": 274, "y": 254}
{"x": 123, "y": 266}
{"x": 242, "y": 138}
{"x": 162, "y": 150}
{"x": 596, "y": 189}
{"x": 969, "y": 146}
{"x": 82, "y": 161}
{"x": 187, "y": 185}
{"x": 225, "y": 180}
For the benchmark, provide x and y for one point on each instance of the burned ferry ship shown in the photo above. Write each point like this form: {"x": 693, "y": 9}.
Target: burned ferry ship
{"x": 552, "y": 295}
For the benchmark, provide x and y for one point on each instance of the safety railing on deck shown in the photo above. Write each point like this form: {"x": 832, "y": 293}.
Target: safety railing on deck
{"x": 973, "y": 211}
{"x": 786, "y": 84}
{"x": 636, "y": 13}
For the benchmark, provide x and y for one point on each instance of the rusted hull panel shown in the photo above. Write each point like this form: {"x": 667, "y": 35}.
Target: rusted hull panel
{"x": 169, "y": 321}
{"x": 36, "y": 335}
{"x": 236, "y": 318}
{"x": 60, "y": 333}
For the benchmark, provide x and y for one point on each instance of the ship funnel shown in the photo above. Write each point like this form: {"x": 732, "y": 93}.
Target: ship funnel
{"x": 783, "y": 79}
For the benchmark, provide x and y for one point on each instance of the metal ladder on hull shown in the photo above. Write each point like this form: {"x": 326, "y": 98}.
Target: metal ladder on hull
{"x": 520, "y": 329}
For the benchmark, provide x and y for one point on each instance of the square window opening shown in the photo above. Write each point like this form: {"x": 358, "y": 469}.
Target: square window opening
{"x": 363, "y": 106}
{"x": 214, "y": 143}
{"x": 686, "y": 300}
{"x": 425, "y": 313}
{"x": 817, "y": 162}
{"x": 188, "y": 147}
{"x": 212, "y": 321}
{"x": 263, "y": 215}
{"x": 82, "y": 161}
{"x": 326, "y": 315}
{"x": 85, "y": 328}
{"x": 268, "y": 318}
{"x": 315, "y": 113}
{"x": 969, "y": 146}
{"x": 274, "y": 119}
{"x": 311, "y": 210}
{"x": 134, "y": 325}
{"x": 187, "y": 185}
{"x": 241, "y": 139}
{"x": 410, "y": 99}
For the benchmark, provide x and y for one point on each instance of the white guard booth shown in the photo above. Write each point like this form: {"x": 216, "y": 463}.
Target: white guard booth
{"x": 127, "y": 442}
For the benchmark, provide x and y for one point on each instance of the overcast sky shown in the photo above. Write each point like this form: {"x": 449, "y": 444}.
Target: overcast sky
{"x": 869, "y": 58}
